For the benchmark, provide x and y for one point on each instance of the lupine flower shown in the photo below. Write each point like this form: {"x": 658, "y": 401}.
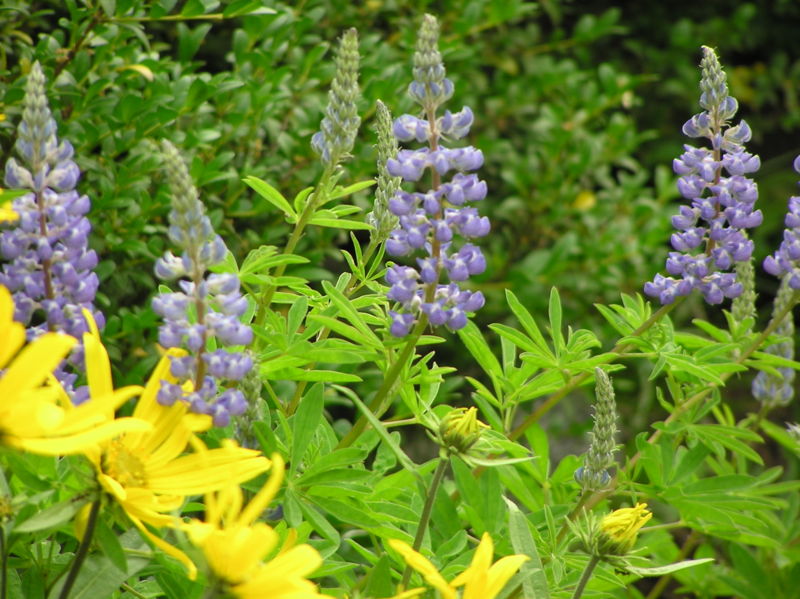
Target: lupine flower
{"x": 786, "y": 261}
{"x": 481, "y": 580}
{"x": 235, "y": 546}
{"x": 381, "y": 218}
{"x": 721, "y": 206}
{"x": 593, "y": 475}
{"x": 50, "y": 266}
{"x": 340, "y": 124}
{"x": 619, "y": 529}
{"x": 31, "y": 416}
{"x": 215, "y": 299}
{"x": 432, "y": 221}
{"x": 146, "y": 472}
{"x": 770, "y": 390}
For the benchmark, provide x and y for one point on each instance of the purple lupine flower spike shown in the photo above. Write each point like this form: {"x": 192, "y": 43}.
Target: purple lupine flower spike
{"x": 215, "y": 300}
{"x": 50, "y": 265}
{"x": 786, "y": 261}
{"x": 430, "y": 221}
{"x": 721, "y": 206}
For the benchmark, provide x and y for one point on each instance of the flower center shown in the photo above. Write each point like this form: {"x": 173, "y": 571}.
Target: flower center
{"x": 124, "y": 466}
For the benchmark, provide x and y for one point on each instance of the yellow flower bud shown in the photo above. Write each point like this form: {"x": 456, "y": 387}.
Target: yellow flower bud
{"x": 460, "y": 429}
{"x": 618, "y": 529}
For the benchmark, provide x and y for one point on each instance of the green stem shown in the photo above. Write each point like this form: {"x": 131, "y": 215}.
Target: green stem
{"x": 323, "y": 334}
{"x": 308, "y": 212}
{"x": 83, "y": 549}
{"x": 587, "y": 574}
{"x": 4, "y": 568}
{"x": 427, "y": 509}
{"x": 380, "y": 403}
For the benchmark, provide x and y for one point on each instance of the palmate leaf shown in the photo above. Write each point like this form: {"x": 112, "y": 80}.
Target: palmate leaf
{"x": 534, "y": 581}
{"x": 272, "y": 195}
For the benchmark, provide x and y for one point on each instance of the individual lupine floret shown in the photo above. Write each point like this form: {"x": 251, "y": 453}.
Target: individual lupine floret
{"x": 340, "y": 124}
{"x": 770, "y": 390}
{"x": 50, "y": 265}
{"x": 214, "y": 301}
{"x": 786, "y": 261}
{"x": 593, "y": 475}
{"x": 430, "y": 221}
{"x": 721, "y": 206}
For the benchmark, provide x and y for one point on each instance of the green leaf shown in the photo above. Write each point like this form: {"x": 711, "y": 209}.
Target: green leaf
{"x": 669, "y": 568}
{"x": 340, "y": 192}
{"x": 305, "y": 423}
{"x": 53, "y": 516}
{"x": 347, "y": 310}
{"x": 534, "y": 581}
{"x": 340, "y": 223}
{"x": 386, "y": 437}
{"x": 527, "y": 322}
{"x": 99, "y": 577}
{"x": 471, "y": 337}
{"x": 272, "y": 195}
{"x": 554, "y": 312}
{"x": 301, "y": 197}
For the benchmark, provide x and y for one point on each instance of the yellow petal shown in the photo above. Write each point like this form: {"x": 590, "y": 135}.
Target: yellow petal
{"x": 208, "y": 471}
{"x": 500, "y": 573}
{"x": 167, "y": 548}
{"x": 80, "y": 442}
{"x": 33, "y": 365}
{"x": 98, "y": 366}
{"x": 260, "y": 502}
{"x": 12, "y": 334}
{"x": 422, "y": 565}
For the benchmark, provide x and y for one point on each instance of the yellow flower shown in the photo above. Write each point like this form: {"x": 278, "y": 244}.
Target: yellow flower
{"x": 146, "y": 471}
{"x": 481, "y": 580}
{"x": 618, "y": 529}
{"x": 38, "y": 417}
{"x": 7, "y": 213}
{"x": 460, "y": 429}
{"x": 235, "y": 546}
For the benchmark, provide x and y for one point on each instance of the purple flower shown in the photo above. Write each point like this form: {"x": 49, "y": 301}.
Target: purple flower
{"x": 214, "y": 300}
{"x": 722, "y": 199}
{"x": 50, "y": 267}
{"x": 434, "y": 220}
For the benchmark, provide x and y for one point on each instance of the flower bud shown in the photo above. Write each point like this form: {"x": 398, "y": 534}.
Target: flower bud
{"x": 460, "y": 429}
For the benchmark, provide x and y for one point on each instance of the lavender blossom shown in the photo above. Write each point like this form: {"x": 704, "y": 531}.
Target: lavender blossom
{"x": 50, "y": 266}
{"x": 213, "y": 300}
{"x": 786, "y": 261}
{"x": 593, "y": 475}
{"x": 432, "y": 221}
{"x": 340, "y": 125}
{"x": 721, "y": 206}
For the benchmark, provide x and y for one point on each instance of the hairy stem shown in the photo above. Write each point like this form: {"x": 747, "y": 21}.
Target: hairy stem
{"x": 585, "y": 577}
{"x": 83, "y": 549}
{"x": 424, "y": 519}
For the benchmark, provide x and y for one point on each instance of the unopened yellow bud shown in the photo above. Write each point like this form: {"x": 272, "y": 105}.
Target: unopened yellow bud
{"x": 460, "y": 429}
{"x": 618, "y": 529}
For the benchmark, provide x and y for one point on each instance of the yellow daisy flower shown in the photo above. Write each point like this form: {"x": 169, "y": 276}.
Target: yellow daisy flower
{"x": 481, "y": 580}
{"x": 36, "y": 416}
{"x": 235, "y": 546}
{"x": 146, "y": 472}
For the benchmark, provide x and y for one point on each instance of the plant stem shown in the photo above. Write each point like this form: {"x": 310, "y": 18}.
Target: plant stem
{"x": 4, "y": 568}
{"x": 380, "y": 403}
{"x": 308, "y": 212}
{"x": 436, "y": 481}
{"x": 323, "y": 334}
{"x": 587, "y": 574}
{"x": 83, "y": 549}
